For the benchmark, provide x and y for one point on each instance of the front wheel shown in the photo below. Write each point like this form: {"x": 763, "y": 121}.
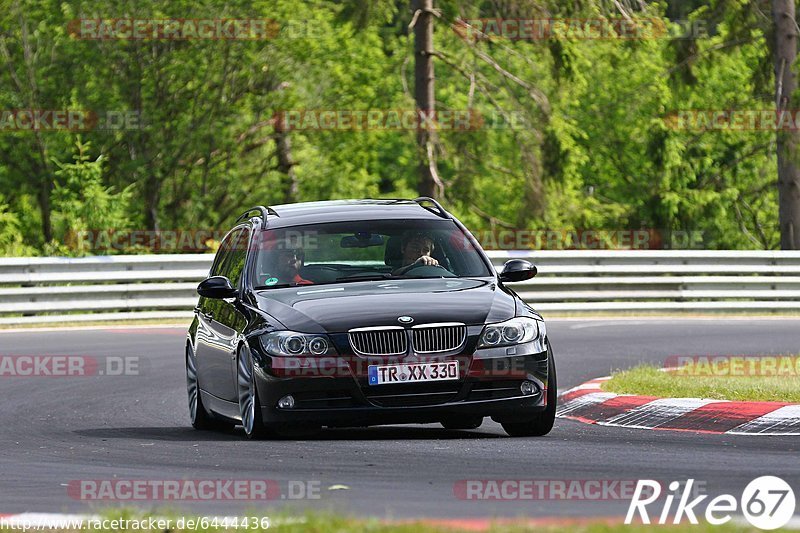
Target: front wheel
{"x": 249, "y": 406}
{"x": 542, "y": 423}
{"x": 199, "y": 416}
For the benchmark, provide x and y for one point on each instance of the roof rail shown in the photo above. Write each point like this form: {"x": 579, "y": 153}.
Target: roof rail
{"x": 439, "y": 211}
{"x": 264, "y": 211}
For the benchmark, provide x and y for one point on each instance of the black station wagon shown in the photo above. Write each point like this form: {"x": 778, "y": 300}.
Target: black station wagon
{"x": 364, "y": 312}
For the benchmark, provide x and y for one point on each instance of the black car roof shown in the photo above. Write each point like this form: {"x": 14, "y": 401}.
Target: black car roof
{"x": 347, "y": 210}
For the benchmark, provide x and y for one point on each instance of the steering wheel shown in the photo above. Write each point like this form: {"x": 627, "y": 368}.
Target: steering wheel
{"x": 435, "y": 271}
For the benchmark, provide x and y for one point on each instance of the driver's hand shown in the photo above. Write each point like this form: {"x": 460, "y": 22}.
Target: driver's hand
{"x": 427, "y": 261}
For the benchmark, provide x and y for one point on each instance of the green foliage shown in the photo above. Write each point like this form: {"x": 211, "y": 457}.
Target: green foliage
{"x": 573, "y": 136}
{"x": 81, "y": 201}
{"x": 11, "y": 243}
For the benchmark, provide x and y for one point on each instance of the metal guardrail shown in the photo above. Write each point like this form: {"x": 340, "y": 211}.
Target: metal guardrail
{"x": 69, "y": 290}
{"x": 669, "y": 280}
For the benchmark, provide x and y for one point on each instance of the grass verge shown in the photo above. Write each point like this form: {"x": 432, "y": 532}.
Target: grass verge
{"x": 723, "y": 381}
{"x": 329, "y": 523}
{"x": 708, "y": 314}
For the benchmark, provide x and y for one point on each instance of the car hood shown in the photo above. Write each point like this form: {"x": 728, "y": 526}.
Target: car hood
{"x": 340, "y": 307}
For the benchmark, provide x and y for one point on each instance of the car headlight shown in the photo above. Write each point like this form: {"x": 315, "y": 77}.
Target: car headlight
{"x": 512, "y": 332}
{"x": 290, "y": 344}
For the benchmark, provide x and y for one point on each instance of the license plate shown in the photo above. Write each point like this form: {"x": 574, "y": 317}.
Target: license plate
{"x": 413, "y": 372}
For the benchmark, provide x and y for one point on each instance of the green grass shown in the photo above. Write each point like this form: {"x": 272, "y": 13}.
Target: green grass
{"x": 703, "y": 313}
{"x": 698, "y": 382}
{"x": 333, "y": 523}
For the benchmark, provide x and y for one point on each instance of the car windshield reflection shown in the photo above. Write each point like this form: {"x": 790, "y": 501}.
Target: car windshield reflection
{"x": 347, "y": 252}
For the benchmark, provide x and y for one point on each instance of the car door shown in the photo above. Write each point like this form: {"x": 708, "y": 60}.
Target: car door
{"x": 230, "y": 320}
{"x": 214, "y": 336}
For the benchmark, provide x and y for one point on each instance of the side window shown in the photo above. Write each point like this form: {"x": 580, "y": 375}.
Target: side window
{"x": 222, "y": 255}
{"x": 236, "y": 258}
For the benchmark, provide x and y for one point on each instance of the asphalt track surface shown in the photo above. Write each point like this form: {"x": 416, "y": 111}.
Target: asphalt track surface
{"x": 60, "y": 429}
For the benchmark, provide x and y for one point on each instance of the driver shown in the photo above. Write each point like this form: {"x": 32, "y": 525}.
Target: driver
{"x": 416, "y": 249}
{"x": 287, "y": 267}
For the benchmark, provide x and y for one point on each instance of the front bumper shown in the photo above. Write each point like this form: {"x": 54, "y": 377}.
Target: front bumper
{"x": 335, "y": 392}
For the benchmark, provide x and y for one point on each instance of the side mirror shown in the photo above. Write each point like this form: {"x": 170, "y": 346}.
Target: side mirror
{"x": 217, "y": 287}
{"x": 517, "y": 270}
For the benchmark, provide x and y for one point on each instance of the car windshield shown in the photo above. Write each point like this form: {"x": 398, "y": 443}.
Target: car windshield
{"x": 343, "y": 252}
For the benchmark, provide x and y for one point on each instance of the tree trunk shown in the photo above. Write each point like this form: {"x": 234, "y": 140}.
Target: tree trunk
{"x": 152, "y": 195}
{"x": 783, "y": 12}
{"x": 45, "y": 188}
{"x": 44, "y": 206}
{"x": 429, "y": 183}
{"x": 283, "y": 150}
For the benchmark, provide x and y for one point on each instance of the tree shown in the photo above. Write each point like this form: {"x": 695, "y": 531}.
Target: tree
{"x": 569, "y": 131}
{"x": 82, "y": 202}
{"x": 788, "y": 142}
{"x": 424, "y": 95}
{"x": 29, "y": 59}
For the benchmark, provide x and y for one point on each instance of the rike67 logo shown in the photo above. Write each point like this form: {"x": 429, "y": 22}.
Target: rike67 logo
{"x": 767, "y": 502}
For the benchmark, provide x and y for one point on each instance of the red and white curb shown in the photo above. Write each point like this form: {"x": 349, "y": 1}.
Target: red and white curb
{"x": 590, "y": 404}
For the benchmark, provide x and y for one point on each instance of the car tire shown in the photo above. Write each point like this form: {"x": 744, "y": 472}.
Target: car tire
{"x": 542, "y": 423}
{"x": 200, "y": 418}
{"x": 249, "y": 405}
{"x": 466, "y": 422}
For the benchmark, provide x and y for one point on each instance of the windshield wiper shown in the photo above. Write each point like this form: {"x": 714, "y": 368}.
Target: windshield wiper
{"x": 426, "y": 277}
